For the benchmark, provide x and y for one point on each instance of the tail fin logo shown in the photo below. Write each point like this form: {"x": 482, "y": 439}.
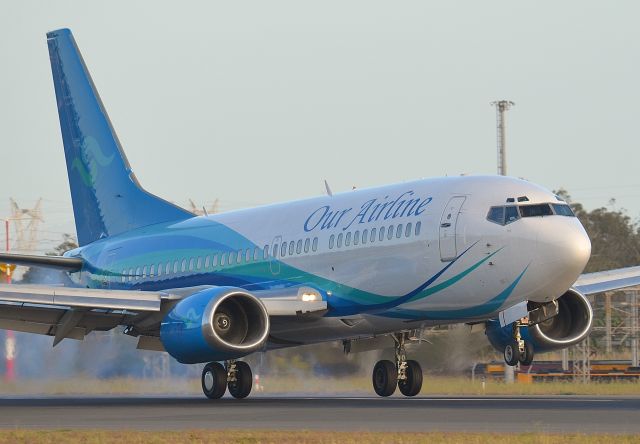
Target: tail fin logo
{"x": 94, "y": 158}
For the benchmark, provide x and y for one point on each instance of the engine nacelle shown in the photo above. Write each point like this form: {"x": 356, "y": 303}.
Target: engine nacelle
{"x": 570, "y": 326}
{"x": 215, "y": 325}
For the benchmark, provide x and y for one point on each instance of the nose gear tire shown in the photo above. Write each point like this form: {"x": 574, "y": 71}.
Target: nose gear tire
{"x": 512, "y": 353}
{"x": 526, "y": 358}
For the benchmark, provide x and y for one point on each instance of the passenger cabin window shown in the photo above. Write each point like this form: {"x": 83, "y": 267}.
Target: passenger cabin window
{"x": 407, "y": 231}
{"x": 418, "y": 227}
{"x": 356, "y": 238}
{"x": 381, "y": 235}
{"x": 365, "y": 236}
{"x": 373, "y": 234}
{"x": 306, "y": 245}
{"x": 390, "y": 232}
{"x": 292, "y": 245}
{"x": 332, "y": 239}
{"x": 339, "y": 243}
{"x": 299, "y": 247}
{"x": 314, "y": 244}
{"x": 347, "y": 239}
{"x": 399, "y": 231}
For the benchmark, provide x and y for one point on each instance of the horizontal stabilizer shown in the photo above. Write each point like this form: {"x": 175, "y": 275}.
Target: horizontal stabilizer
{"x": 55, "y": 262}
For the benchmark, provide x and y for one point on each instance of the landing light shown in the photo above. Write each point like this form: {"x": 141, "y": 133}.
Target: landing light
{"x": 310, "y": 297}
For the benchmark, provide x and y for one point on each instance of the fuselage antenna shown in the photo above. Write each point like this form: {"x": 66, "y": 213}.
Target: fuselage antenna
{"x": 328, "y": 188}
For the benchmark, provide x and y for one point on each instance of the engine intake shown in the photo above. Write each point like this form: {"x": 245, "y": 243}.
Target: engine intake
{"x": 570, "y": 326}
{"x": 215, "y": 324}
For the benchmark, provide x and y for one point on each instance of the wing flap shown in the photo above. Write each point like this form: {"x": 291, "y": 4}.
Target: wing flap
{"x": 82, "y": 297}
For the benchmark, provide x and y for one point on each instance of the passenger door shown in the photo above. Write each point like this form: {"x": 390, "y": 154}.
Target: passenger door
{"x": 274, "y": 264}
{"x": 448, "y": 222}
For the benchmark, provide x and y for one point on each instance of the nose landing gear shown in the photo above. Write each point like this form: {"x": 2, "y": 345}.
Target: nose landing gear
{"x": 236, "y": 375}
{"x": 519, "y": 350}
{"x": 405, "y": 374}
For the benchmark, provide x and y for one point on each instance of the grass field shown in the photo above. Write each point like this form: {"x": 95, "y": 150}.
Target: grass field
{"x": 281, "y": 437}
{"x": 433, "y": 385}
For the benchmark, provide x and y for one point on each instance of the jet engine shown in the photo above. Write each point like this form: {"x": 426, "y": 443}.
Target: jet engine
{"x": 215, "y": 324}
{"x": 570, "y": 326}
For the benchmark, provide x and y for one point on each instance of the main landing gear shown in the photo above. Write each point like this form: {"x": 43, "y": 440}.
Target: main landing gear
{"x": 235, "y": 375}
{"x": 518, "y": 350}
{"x": 406, "y": 375}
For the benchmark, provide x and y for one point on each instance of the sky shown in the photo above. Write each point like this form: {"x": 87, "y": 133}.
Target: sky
{"x": 256, "y": 102}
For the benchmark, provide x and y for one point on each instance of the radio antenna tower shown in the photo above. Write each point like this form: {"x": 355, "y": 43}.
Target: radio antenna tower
{"x": 501, "y": 107}
{"x": 25, "y": 222}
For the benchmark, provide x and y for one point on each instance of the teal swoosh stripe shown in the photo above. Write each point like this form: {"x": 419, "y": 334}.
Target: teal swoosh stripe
{"x": 490, "y": 306}
{"x": 449, "y": 282}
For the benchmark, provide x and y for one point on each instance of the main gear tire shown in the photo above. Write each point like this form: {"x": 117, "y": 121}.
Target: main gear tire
{"x": 241, "y": 387}
{"x": 385, "y": 378}
{"x": 412, "y": 385}
{"x": 214, "y": 380}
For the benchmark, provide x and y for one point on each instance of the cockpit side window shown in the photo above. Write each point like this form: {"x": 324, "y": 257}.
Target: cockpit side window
{"x": 535, "y": 210}
{"x": 496, "y": 214}
{"x": 563, "y": 210}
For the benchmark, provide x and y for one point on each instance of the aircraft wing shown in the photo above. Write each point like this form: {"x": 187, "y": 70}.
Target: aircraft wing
{"x": 609, "y": 280}
{"x": 67, "y": 312}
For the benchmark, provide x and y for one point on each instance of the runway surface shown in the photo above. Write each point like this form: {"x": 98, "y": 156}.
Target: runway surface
{"x": 475, "y": 414}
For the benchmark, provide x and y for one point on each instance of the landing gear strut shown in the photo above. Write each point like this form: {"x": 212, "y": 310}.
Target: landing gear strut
{"x": 236, "y": 375}
{"x": 518, "y": 350}
{"x": 405, "y": 374}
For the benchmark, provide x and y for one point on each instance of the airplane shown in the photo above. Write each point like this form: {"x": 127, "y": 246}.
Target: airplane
{"x": 369, "y": 267}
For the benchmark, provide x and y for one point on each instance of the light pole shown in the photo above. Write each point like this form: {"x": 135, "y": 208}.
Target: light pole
{"x": 10, "y": 340}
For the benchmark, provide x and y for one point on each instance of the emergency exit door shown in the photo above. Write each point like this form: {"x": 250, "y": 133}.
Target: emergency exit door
{"x": 448, "y": 223}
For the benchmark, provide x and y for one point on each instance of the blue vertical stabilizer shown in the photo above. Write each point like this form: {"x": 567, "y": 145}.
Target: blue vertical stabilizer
{"x": 107, "y": 199}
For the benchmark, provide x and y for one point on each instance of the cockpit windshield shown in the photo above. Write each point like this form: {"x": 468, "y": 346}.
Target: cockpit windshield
{"x": 504, "y": 215}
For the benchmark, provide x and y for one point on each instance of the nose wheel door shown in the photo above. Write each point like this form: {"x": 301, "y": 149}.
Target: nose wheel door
{"x": 448, "y": 223}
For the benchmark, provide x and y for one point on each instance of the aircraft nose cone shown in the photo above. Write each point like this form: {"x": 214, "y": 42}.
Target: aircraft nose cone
{"x": 564, "y": 250}
{"x": 576, "y": 248}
